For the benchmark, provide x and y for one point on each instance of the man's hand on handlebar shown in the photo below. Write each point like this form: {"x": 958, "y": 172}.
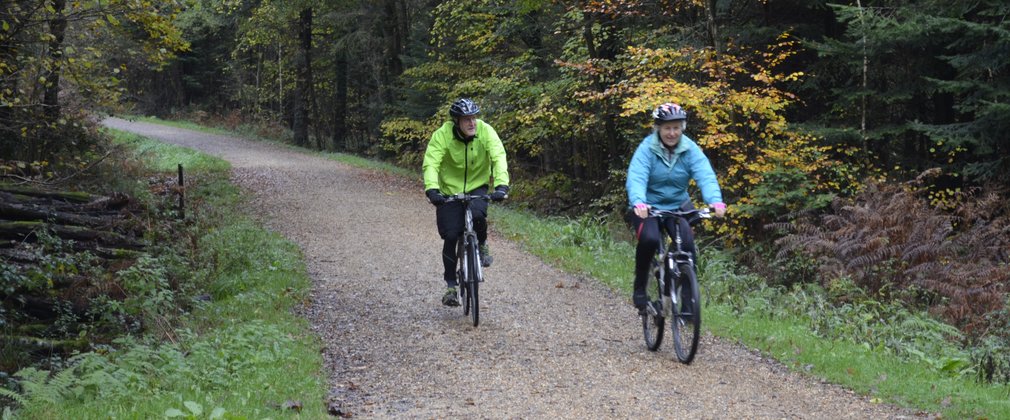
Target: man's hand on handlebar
{"x": 435, "y": 197}
{"x": 500, "y": 193}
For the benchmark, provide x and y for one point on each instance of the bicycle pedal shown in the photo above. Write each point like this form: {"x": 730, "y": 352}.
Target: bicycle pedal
{"x": 652, "y": 310}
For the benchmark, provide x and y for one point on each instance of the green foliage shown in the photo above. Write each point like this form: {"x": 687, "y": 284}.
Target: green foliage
{"x": 918, "y": 80}
{"x": 147, "y": 288}
{"x": 231, "y": 357}
{"x": 56, "y": 62}
{"x": 783, "y": 192}
{"x": 406, "y": 139}
{"x": 992, "y": 352}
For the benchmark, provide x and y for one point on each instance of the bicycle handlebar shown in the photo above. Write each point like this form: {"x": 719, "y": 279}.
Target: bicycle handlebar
{"x": 465, "y": 197}
{"x": 704, "y": 213}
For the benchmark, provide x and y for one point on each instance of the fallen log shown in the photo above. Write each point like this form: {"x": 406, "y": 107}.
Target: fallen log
{"x": 40, "y": 343}
{"x": 71, "y": 196}
{"x": 13, "y": 211}
{"x": 24, "y": 230}
{"x": 116, "y": 253}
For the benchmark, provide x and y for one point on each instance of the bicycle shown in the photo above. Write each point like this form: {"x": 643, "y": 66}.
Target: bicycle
{"x": 470, "y": 273}
{"x": 673, "y": 292}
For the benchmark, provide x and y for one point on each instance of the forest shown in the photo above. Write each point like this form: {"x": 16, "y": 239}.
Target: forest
{"x": 862, "y": 140}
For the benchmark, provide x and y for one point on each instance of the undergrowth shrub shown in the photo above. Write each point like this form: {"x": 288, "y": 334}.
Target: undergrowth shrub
{"x": 992, "y": 352}
{"x": 889, "y": 239}
{"x": 890, "y": 242}
{"x": 841, "y": 310}
{"x": 135, "y": 367}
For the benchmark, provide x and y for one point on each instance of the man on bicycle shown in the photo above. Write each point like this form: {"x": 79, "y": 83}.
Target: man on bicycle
{"x": 662, "y": 167}
{"x": 465, "y": 155}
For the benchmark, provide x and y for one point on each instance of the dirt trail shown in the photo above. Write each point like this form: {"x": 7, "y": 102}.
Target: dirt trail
{"x": 549, "y": 345}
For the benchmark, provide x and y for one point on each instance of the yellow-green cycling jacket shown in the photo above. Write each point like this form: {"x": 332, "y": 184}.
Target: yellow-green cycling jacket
{"x": 452, "y": 166}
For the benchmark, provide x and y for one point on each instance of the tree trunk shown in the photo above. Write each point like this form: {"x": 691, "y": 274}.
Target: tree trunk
{"x": 9, "y": 82}
{"x": 58, "y": 29}
{"x": 393, "y": 39}
{"x": 303, "y": 82}
{"x": 604, "y": 47}
{"x": 710, "y": 25}
{"x": 340, "y": 102}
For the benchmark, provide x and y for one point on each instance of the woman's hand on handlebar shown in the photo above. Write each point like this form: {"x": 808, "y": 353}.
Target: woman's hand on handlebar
{"x": 642, "y": 210}
{"x": 720, "y": 209}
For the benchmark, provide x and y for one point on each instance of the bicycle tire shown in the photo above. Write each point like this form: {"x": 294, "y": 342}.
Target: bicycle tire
{"x": 686, "y": 322}
{"x": 654, "y": 324}
{"x": 473, "y": 282}
{"x": 461, "y": 277}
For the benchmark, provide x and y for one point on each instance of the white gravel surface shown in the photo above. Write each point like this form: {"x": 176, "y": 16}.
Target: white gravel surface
{"x": 550, "y": 345}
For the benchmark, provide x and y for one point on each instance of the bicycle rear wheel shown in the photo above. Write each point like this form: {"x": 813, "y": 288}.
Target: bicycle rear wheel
{"x": 653, "y": 322}
{"x": 473, "y": 281}
{"x": 686, "y": 322}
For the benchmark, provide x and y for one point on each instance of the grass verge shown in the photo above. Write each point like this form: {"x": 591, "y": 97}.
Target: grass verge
{"x": 236, "y": 351}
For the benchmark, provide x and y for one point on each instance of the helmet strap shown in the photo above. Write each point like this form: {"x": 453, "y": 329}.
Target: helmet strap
{"x": 458, "y": 134}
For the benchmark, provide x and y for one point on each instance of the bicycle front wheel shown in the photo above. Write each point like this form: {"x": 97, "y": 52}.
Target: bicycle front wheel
{"x": 461, "y": 277}
{"x": 653, "y": 322}
{"x": 686, "y": 322}
{"x": 473, "y": 281}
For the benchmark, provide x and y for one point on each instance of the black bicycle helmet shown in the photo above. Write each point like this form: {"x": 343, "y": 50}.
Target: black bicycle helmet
{"x": 463, "y": 107}
{"x": 669, "y": 112}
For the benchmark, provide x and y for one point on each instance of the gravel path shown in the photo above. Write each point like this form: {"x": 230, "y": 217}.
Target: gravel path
{"x": 549, "y": 345}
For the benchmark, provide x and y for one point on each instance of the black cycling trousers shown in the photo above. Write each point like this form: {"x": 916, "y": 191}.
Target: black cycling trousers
{"x": 649, "y": 235}
{"x": 449, "y": 218}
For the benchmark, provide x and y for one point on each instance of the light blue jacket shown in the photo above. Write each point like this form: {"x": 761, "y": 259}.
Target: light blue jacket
{"x": 660, "y": 179}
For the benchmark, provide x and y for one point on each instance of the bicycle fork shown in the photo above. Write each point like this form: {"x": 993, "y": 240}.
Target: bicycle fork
{"x": 464, "y": 255}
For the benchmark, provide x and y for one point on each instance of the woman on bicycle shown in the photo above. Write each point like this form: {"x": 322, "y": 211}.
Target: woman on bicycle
{"x": 465, "y": 155}
{"x": 662, "y": 167}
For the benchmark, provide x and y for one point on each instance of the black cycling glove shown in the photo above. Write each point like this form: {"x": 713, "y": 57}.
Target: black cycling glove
{"x": 500, "y": 193}
{"x": 435, "y": 197}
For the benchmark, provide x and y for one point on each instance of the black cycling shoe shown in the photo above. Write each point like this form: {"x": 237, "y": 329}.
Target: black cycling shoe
{"x": 640, "y": 300}
{"x": 485, "y": 255}
{"x": 450, "y": 298}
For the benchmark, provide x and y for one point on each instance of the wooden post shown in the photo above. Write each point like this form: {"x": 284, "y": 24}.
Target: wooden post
{"x": 182, "y": 194}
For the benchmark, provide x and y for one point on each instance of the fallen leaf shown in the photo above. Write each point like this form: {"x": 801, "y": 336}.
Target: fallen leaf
{"x": 292, "y": 405}
{"x": 334, "y": 409}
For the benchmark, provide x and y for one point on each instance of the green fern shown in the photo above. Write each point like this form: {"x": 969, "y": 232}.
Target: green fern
{"x": 13, "y": 396}
{"x": 40, "y": 387}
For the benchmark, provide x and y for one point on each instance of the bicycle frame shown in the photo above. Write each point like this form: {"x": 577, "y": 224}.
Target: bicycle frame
{"x": 671, "y": 259}
{"x": 469, "y": 235}
{"x": 468, "y": 258}
{"x": 676, "y": 281}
